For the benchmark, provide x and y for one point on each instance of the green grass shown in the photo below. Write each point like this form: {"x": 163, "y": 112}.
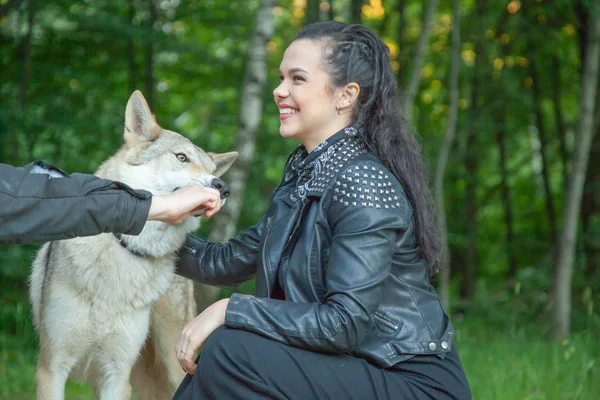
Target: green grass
{"x": 503, "y": 359}
{"x": 508, "y": 364}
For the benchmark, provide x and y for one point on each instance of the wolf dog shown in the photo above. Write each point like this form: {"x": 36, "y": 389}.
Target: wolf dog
{"x": 109, "y": 308}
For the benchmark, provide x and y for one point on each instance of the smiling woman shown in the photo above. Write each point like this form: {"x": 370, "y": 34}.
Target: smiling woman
{"x": 310, "y": 107}
{"x": 342, "y": 259}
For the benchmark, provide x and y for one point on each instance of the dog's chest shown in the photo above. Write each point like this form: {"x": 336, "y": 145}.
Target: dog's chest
{"x": 120, "y": 281}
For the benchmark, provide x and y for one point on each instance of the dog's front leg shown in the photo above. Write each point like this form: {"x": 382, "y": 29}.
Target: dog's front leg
{"x": 117, "y": 354}
{"x": 52, "y": 373}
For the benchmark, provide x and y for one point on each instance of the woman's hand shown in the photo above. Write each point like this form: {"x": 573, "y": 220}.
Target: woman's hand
{"x": 174, "y": 208}
{"x": 196, "y": 332}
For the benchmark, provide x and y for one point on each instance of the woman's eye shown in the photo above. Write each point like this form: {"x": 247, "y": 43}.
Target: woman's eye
{"x": 280, "y": 78}
{"x": 181, "y": 157}
{"x": 299, "y": 79}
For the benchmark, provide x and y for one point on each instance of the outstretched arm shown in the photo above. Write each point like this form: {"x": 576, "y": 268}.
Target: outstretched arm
{"x": 41, "y": 203}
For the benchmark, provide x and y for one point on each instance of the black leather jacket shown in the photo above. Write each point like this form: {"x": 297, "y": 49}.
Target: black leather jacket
{"x": 338, "y": 244}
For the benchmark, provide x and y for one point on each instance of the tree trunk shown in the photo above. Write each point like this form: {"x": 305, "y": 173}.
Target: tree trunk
{"x": 400, "y": 7}
{"x": 5, "y": 8}
{"x": 590, "y": 206}
{"x": 537, "y": 102}
{"x": 225, "y": 224}
{"x": 356, "y": 11}
{"x": 25, "y": 80}
{"x": 419, "y": 59}
{"x": 504, "y": 172}
{"x": 149, "y": 95}
{"x": 382, "y": 26}
{"x": 26, "y": 60}
{"x": 506, "y": 200}
{"x": 590, "y": 203}
{"x": 131, "y": 50}
{"x": 561, "y": 315}
{"x": 467, "y": 286}
{"x": 558, "y": 119}
{"x": 312, "y": 11}
{"x": 444, "y": 280}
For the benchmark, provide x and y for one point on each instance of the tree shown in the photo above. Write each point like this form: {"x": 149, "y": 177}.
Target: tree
{"x": 150, "y": 54}
{"x": 467, "y": 287}
{"x": 541, "y": 129}
{"x": 249, "y": 121}
{"x": 419, "y": 59}
{"x": 131, "y": 49}
{"x": 561, "y": 311}
{"x": 356, "y": 11}
{"x": 312, "y": 11}
{"x": 444, "y": 283}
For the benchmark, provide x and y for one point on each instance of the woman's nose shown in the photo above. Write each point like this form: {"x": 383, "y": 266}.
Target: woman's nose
{"x": 280, "y": 91}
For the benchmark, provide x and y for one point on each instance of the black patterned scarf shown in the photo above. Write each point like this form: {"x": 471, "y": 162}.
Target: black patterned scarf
{"x": 307, "y": 166}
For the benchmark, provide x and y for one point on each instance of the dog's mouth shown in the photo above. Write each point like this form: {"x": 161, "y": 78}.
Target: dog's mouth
{"x": 215, "y": 183}
{"x": 221, "y": 187}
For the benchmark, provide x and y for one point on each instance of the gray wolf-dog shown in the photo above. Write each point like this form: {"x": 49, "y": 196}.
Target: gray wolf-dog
{"x": 109, "y": 307}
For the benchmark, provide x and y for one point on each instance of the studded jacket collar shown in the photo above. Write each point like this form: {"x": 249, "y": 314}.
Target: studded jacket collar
{"x": 337, "y": 243}
{"x": 312, "y": 171}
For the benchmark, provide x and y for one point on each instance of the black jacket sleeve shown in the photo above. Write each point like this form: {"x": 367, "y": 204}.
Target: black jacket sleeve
{"x": 363, "y": 242}
{"x": 228, "y": 264}
{"x": 40, "y": 203}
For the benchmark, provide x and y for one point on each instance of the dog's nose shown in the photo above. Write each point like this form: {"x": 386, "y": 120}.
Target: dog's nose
{"x": 221, "y": 186}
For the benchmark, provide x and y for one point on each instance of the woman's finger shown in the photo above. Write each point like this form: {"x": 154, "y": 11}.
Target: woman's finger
{"x": 182, "y": 346}
{"x": 189, "y": 352}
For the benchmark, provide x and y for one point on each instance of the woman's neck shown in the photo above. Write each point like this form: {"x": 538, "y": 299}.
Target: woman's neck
{"x": 315, "y": 140}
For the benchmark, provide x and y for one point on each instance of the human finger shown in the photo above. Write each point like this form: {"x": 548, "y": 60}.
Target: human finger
{"x": 210, "y": 211}
{"x": 192, "y": 341}
{"x": 202, "y": 194}
{"x": 184, "y": 356}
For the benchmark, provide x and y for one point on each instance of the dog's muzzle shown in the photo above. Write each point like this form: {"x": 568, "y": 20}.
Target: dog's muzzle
{"x": 221, "y": 186}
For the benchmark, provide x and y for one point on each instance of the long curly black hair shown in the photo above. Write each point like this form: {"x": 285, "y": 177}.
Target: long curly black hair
{"x": 353, "y": 53}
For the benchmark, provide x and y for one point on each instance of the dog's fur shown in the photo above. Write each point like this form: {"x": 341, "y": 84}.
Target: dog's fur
{"x": 105, "y": 312}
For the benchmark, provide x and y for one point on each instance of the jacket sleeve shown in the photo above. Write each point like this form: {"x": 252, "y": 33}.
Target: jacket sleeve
{"x": 228, "y": 264}
{"x": 364, "y": 239}
{"x": 40, "y": 203}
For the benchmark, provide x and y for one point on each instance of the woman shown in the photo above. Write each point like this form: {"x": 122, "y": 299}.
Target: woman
{"x": 342, "y": 259}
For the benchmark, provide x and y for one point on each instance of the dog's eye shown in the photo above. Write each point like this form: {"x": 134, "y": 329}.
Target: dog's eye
{"x": 181, "y": 157}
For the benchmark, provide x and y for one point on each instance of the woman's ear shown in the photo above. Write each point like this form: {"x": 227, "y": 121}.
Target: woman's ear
{"x": 348, "y": 95}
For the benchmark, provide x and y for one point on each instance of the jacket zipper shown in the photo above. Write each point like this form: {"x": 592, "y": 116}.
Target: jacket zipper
{"x": 386, "y": 322}
{"x": 190, "y": 248}
{"x": 264, "y": 260}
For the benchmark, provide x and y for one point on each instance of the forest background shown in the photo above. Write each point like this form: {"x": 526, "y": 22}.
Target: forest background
{"x": 503, "y": 94}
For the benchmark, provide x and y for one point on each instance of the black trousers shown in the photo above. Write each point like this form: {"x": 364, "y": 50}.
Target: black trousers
{"x": 236, "y": 364}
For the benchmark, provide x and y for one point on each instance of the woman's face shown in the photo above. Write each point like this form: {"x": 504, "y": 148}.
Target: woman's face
{"x": 306, "y": 102}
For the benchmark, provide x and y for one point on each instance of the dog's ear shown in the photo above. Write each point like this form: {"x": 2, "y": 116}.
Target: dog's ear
{"x": 223, "y": 161}
{"x": 140, "y": 124}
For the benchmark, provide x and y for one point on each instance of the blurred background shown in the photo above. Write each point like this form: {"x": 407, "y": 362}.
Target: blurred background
{"x": 502, "y": 94}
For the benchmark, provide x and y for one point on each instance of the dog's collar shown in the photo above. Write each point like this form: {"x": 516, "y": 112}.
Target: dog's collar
{"x": 119, "y": 238}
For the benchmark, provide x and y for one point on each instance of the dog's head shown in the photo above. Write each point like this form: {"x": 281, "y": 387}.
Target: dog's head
{"x": 162, "y": 161}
